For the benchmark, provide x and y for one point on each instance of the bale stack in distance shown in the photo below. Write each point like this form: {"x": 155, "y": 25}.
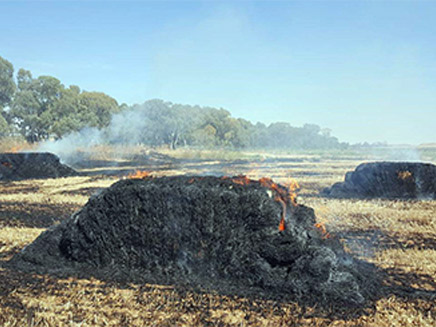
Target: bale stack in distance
{"x": 28, "y": 165}
{"x": 389, "y": 180}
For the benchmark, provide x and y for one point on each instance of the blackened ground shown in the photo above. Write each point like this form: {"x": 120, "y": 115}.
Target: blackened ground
{"x": 202, "y": 231}
{"x": 401, "y": 180}
{"x": 19, "y": 166}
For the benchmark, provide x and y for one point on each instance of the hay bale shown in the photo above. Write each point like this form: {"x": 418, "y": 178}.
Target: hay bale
{"x": 203, "y": 231}
{"x": 28, "y": 165}
{"x": 390, "y": 180}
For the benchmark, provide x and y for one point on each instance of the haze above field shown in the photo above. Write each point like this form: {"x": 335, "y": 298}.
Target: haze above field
{"x": 366, "y": 70}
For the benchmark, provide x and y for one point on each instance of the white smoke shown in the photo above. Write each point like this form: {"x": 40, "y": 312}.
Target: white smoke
{"x": 401, "y": 153}
{"x": 387, "y": 152}
{"x": 84, "y": 139}
{"x": 125, "y": 128}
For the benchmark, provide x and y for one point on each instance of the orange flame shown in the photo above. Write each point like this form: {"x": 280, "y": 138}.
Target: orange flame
{"x": 241, "y": 180}
{"x": 321, "y": 227}
{"x": 405, "y": 175}
{"x": 285, "y": 194}
{"x": 293, "y": 188}
{"x": 282, "y": 225}
{"x": 7, "y": 164}
{"x": 282, "y": 195}
{"x": 139, "y": 174}
{"x": 15, "y": 149}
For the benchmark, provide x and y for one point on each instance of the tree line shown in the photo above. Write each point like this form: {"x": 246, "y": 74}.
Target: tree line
{"x": 42, "y": 108}
{"x": 166, "y": 123}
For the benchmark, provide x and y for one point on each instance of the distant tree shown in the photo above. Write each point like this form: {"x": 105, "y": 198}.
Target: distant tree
{"x": 282, "y": 135}
{"x": 4, "y": 127}
{"x": 311, "y": 129}
{"x": 165, "y": 123}
{"x": 326, "y": 132}
{"x": 219, "y": 120}
{"x": 97, "y": 108}
{"x": 238, "y": 133}
{"x": 43, "y": 107}
{"x": 75, "y": 110}
{"x": 7, "y": 84}
{"x": 186, "y": 120}
{"x": 30, "y": 110}
{"x": 65, "y": 113}
{"x": 204, "y": 137}
{"x": 24, "y": 79}
{"x": 158, "y": 123}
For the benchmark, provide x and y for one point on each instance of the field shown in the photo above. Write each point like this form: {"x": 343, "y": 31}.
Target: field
{"x": 397, "y": 236}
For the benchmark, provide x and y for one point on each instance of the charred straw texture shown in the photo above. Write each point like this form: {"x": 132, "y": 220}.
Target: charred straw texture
{"x": 204, "y": 231}
{"x": 19, "y": 166}
{"x": 400, "y": 180}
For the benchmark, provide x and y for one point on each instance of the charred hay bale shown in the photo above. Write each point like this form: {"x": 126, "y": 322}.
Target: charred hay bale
{"x": 19, "y": 166}
{"x": 203, "y": 231}
{"x": 391, "y": 180}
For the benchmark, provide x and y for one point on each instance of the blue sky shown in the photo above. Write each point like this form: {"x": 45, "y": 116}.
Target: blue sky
{"x": 365, "y": 69}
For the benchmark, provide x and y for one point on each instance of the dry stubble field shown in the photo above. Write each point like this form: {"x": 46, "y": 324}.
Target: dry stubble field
{"x": 397, "y": 236}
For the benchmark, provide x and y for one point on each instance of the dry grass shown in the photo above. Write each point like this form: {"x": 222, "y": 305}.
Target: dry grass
{"x": 397, "y": 236}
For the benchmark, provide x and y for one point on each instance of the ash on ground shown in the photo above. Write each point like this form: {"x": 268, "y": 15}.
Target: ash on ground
{"x": 28, "y": 165}
{"x": 390, "y": 180}
{"x": 205, "y": 232}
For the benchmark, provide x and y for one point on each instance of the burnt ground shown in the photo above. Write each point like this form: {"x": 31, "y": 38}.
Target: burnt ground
{"x": 161, "y": 164}
{"x": 191, "y": 301}
{"x": 35, "y": 215}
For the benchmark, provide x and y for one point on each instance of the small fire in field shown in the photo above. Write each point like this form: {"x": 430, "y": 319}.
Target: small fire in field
{"x": 7, "y": 164}
{"x": 139, "y": 174}
{"x": 322, "y": 228}
{"x": 323, "y": 217}
{"x": 19, "y": 148}
{"x": 241, "y": 180}
{"x": 282, "y": 194}
{"x": 405, "y": 175}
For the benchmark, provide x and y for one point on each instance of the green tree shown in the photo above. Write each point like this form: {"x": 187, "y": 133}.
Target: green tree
{"x": 164, "y": 123}
{"x": 7, "y": 84}
{"x": 4, "y": 127}
{"x": 97, "y": 108}
{"x": 205, "y": 137}
{"x": 7, "y": 91}
{"x": 30, "y": 110}
{"x": 24, "y": 79}
{"x": 74, "y": 111}
{"x": 65, "y": 112}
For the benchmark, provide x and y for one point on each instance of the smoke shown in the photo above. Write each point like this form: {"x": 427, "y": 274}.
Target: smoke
{"x": 404, "y": 154}
{"x": 397, "y": 153}
{"x": 125, "y": 128}
{"x": 70, "y": 144}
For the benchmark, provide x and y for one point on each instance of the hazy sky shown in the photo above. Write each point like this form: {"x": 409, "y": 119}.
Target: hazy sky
{"x": 365, "y": 69}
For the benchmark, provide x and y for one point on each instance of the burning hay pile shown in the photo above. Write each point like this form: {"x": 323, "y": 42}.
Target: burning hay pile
{"x": 18, "y": 166}
{"x": 218, "y": 233}
{"x": 391, "y": 180}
